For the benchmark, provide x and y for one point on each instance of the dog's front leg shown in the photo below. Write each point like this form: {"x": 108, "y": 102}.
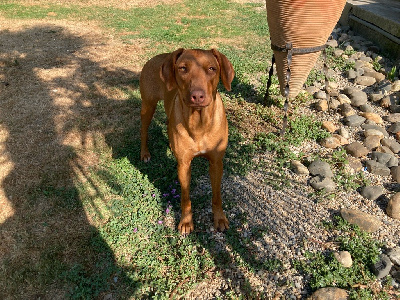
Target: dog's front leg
{"x": 216, "y": 171}
{"x": 186, "y": 224}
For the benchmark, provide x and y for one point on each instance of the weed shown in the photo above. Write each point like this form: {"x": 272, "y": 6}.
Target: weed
{"x": 391, "y": 75}
{"x": 325, "y": 270}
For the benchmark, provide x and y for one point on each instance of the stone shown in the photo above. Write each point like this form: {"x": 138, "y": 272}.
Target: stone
{"x": 319, "y": 167}
{"x": 396, "y": 86}
{"x": 352, "y": 74}
{"x": 354, "y": 120}
{"x": 377, "y": 168}
{"x": 338, "y": 52}
{"x": 349, "y": 90}
{"x": 329, "y": 126}
{"x": 330, "y": 142}
{"x": 394, "y": 108}
{"x": 391, "y": 144}
{"x": 393, "y": 207}
{"x": 344, "y": 133}
{"x": 372, "y": 142}
{"x": 372, "y": 117}
{"x": 395, "y": 127}
{"x": 332, "y": 43}
{"x": 329, "y": 293}
{"x": 344, "y": 258}
{"x": 299, "y": 168}
{"x": 375, "y": 97}
{"x": 377, "y": 127}
{"x": 364, "y": 80}
{"x": 372, "y": 192}
{"x": 382, "y": 267}
{"x": 365, "y": 221}
{"x": 320, "y": 95}
{"x": 395, "y": 172}
{"x": 358, "y": 98}
{"x": 312, "y": 90}
{"x": 334, "y": 103}
{"x": 321, "y": 105}
{"x": 384, "y": 149}
{"x": 394, "y": 255}
{"x": 372, "y": 73}
{"x": 342, "y": 140}
{"x": 343, "y": 99}
{"x": 355, "y": 164}
{"x": 373, "y": 132}
{"x": 323, "y": 183}
{"x": 386, "y": 159}
{"x": 356, "y": 149}
{"x": 386, "y": 102}
{"x": 346, "y": 110}
{"x": 366, "y": 108}
{"x": 393, "y": 118}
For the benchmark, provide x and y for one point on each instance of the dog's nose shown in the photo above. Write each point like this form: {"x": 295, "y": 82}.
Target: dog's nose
{"x": 197, "y": 96}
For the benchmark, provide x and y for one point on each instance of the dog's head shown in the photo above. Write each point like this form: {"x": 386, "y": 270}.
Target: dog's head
{"x": 195, "y": 74}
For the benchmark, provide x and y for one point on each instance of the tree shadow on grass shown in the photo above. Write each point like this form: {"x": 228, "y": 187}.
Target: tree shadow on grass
{"x": 53, "y": 114}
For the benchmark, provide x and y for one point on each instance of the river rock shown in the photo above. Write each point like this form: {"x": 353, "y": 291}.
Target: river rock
{"x": 387, "y": 159}
{"x": 375, "y": 97}
{"x": 319, "y": 167}
{"x": 394, "y": 255}
{"x": 344, "y": 132}
{"x": 393, "y": 207}
{"x": 358, "y": 98}
{"x": 377, "y": 168}
{"x": 395, "y": 171}
{"x": 372, "y": 192}
{"x": 393, "y": 118}
{"x": 396, "y": 86}
{"x": 382, "y": 267}
{"x": 329, "y": 293}
{"x": 299, "y": 168}
{"x": 354, "y": 120}
{"x": 342, "y": 140}
{"x": 365, "y": 221}
{"x": 329, "y": 126}
{"x": 321, "y": 105}
{"x": 343, "y": 99}
{"x": 320, "y": 95}
{"x": 356, "y": 149}
{"x": 372, "y": 141}
{"x": 395, "y": 127}
{"x": 366, "y": 108}
{"x": 377, "y": 127}
{"x": 330, "y": 142}
{"x": 323, "y": 183}
{"x": 372, "y": 117}
{"x": 344, "y": 258}
{"x": 391, "y": 144}
{"x": 364, "y": 80}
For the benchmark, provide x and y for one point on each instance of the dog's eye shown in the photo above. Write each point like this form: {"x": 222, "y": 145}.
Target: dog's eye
{"x": 212, "y": 69}
{"x": 182, "y": 68}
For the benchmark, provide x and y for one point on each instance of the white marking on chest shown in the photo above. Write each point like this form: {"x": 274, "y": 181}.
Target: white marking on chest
{"x": 200, "y": 152}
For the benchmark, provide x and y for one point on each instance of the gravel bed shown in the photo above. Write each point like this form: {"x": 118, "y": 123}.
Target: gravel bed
{"x": 293, "y": 217}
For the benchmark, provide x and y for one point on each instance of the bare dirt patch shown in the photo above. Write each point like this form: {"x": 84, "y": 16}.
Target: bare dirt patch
{"x": 104, "y": 3}
{"x": 61, "y": 94}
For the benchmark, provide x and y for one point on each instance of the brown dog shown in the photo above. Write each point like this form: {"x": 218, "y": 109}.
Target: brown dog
{"x": 187, "y": 82}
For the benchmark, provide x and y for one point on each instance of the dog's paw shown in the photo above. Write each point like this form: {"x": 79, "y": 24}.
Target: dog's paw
{"x": 221, "y": 223}
{"x": 145, "y": 156}
{"x": 186, "y": 225}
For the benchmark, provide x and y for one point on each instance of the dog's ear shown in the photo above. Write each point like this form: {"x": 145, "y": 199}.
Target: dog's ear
{"x": 227, "y": 72}
{"x": 167, "y": 70}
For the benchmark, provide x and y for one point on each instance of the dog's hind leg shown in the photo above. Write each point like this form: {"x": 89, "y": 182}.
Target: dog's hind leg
{"x": 146, "y": 115}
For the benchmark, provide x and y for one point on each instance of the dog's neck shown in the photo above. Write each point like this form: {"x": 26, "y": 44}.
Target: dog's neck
{"x": 197, "y": 121}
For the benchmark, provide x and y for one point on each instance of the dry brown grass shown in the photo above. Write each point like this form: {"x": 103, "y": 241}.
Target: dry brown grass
{"x": 60, "y": 96}
{"x": 128, "y": 4}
